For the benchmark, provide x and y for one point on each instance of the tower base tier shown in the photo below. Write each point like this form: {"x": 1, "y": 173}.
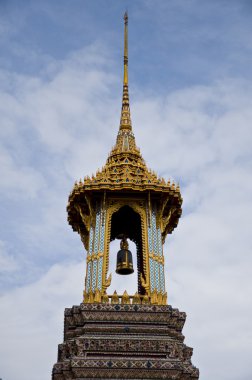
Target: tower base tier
{"x": 115, "y": 341}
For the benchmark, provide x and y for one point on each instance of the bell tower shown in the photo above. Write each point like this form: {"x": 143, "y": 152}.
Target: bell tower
{"x": 124, "y": 336}
{"x": 125, "y": 199}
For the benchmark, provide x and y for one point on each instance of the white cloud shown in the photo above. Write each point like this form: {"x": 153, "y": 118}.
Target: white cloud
{"x": 32, "y": 322}
{"x": 201, "y": 136}
{"x": 47, "y": 144}
{"x": 17, "y": 180}
{"x": 7, "y": 262}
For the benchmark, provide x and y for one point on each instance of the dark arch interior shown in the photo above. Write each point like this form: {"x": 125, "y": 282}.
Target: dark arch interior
{"x": 128, "y": 222}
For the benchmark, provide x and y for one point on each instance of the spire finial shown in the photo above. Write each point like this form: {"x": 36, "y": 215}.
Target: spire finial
{"x": 125, "y": 76}
{"x": 125, "y": 123}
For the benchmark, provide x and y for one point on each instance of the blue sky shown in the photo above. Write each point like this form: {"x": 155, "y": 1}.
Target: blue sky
{"x": 60, "y": 96}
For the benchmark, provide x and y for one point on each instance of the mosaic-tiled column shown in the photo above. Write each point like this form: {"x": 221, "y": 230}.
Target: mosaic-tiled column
{"x": 155, "y": 248}
{"x": 95, "y": 252}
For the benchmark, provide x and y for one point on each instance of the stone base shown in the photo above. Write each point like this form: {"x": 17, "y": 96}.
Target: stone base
{"x": 106, "y": 341}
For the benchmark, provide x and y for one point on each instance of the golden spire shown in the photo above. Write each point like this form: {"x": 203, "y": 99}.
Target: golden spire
{"x": 125, "y": 123}
{"x": 125, "y": 60}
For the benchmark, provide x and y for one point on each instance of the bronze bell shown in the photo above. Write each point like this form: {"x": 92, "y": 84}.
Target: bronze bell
{"x": 124, "y": 264}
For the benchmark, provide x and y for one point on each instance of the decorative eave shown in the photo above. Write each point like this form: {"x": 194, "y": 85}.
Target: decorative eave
{"x": 81, "y": 208}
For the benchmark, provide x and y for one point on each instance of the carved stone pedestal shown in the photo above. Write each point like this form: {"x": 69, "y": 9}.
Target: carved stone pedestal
{"x": 106, "y": 341}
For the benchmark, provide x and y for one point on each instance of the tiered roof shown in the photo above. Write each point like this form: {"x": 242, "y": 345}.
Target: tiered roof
{"x": 125, "y": 171}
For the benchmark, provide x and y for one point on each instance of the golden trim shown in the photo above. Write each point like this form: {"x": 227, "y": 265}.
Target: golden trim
{"x": 156, "y": 298}
{"x": 94, "y": 256}
{"x": 159, "y": 259}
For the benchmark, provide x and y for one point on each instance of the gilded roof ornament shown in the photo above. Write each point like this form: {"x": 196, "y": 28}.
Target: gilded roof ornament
{"x": 125, "y": 122}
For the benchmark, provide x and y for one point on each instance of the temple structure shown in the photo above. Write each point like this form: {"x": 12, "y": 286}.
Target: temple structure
{"x": 124, "y": 336}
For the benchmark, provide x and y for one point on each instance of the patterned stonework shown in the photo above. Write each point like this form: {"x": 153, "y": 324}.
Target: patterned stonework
{"x": 124, "y": 342}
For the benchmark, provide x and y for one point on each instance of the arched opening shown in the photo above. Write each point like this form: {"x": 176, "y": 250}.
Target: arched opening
{"x": 127, "y": 222}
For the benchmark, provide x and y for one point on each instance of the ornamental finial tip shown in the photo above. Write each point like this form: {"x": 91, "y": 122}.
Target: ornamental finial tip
{"x": 125, "y": 17}
{"x": 125, "y": 122}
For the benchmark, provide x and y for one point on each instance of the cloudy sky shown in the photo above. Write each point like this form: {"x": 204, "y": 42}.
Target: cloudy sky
{"x": 190, "y": 70}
